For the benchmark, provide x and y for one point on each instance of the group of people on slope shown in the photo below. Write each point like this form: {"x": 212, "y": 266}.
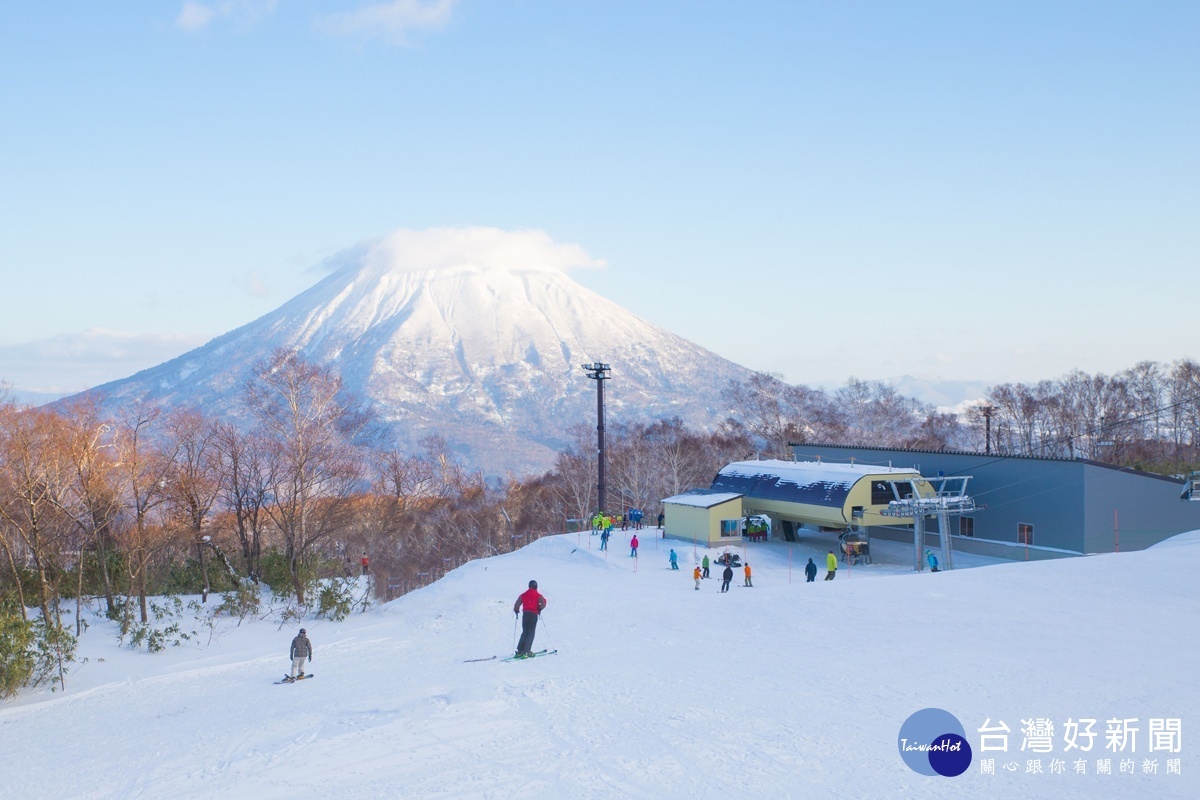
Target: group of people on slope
{"x": 531, "y": 603}
{"x": 603, "y": 523}
{"x": 700, "y": 572}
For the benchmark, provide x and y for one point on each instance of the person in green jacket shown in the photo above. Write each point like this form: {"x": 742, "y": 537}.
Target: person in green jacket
{"x": 704, "y": 566}
{"x": 831, "y": 565}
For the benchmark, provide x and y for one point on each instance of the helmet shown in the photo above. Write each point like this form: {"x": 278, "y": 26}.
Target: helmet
{"x": 303, "y": 631}
{"x": 533, "y": 584}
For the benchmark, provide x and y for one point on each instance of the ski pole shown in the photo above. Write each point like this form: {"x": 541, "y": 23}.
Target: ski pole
{"x": 514, "y": 644}
{"x": 547, "y": 630}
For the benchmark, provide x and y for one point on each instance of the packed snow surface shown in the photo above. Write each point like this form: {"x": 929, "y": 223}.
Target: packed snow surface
{"x": 786, "y": 689}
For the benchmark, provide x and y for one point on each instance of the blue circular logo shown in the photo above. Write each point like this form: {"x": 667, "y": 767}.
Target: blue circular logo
{"x": 934, "y": 742}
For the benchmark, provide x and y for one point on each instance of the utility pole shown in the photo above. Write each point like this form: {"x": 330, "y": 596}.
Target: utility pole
{"x": 987, "y": 412}
{"x": 599, "y": 373}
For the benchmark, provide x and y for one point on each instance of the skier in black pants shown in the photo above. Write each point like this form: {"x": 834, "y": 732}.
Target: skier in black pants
{"x": 810, "y": 571}
{"x": 726, "y": 577}
{"x": 529, "y": 605}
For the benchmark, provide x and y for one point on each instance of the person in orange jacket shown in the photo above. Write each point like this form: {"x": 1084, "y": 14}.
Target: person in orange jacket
{"x": 696, "y": 575}
{"x": 747, "y": 568}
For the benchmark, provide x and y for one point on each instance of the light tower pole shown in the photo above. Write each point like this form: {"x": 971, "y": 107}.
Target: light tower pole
{"x": 599, "y": 373}
{"x": 987, "y": 412}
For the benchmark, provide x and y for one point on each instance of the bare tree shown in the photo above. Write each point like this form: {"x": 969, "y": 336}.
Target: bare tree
{"x": 144, "y": 470}
{"x": 778, "y": 414}
{"x": 243, "y": 490}
{"x": 34, "y": 476}
{"x": 771, "y": 410}
{"x": 1184, "y": 394}
{"x": 575, "y": 471}
{"x": 631, "y": 465}
{"x": 877, "y": 415}
{"x": 193, "y": 480}
{"x": 94, "y": 500}
{"x": 313, "y": 466}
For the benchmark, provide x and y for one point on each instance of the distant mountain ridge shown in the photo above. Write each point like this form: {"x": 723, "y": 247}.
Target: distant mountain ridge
{"x": 475, "y": 334}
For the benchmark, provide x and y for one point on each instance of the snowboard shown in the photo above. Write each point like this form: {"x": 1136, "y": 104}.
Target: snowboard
{"x": 534, "y": 654}
{"x": 289, "y": 679}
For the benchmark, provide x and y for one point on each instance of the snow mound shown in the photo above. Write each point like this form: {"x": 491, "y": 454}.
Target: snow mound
{"x": 1188, "y": 539}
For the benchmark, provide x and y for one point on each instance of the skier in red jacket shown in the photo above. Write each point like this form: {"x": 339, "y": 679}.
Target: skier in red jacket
{"x": 633, "y": 545}
{"x": 529, "y": 605}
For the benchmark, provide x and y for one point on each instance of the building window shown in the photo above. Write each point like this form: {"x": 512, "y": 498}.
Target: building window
{"x": 730, "y": 528}
{"x": 966, "y": 526}
{"x": 1024, "y": 533}
{"x": 881, "y": 492}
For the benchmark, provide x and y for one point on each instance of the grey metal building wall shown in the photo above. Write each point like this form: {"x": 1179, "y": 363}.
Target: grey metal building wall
{"x": 1131, "y": 511}
{"x": 1069, "y": 503}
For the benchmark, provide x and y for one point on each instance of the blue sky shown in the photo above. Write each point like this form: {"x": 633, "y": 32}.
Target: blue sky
{"x": 973, "y": 191}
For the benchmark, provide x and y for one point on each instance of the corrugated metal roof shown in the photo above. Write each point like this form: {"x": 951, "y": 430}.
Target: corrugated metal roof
{"x": 809, "y": 482}
{"x": 702, "y": 498}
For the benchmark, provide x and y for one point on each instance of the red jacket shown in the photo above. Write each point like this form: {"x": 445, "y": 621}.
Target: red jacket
{"x": 530, "y": 600}
{"x": 633, "y": 543}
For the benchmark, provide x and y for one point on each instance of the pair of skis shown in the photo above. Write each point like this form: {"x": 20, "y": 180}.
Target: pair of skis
{"x": 534, "y": 654}
{"x": 512, "y": 657}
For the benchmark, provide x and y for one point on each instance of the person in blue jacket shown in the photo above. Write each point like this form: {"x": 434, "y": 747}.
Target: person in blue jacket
{"x": 674, "y": 560}
{"x": 931, "y": 559}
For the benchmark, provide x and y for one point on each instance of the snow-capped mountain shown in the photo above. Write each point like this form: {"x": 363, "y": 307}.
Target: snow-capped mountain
{"x": 475, "y": 334}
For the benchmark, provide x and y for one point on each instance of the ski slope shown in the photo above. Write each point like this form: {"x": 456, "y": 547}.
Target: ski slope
{"x": 782, "y": 690}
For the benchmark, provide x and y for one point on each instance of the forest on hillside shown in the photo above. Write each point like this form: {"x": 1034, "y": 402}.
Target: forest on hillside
{"x": 114, "y": 510}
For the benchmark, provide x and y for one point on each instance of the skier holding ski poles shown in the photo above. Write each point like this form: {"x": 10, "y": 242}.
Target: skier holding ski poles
{"x": 529, "y": 605}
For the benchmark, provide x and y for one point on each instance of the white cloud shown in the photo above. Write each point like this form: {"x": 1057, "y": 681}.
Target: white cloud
{"x": 72, "y": 362}
{"x": 195, "y": 16}
{"x": 392, "y": 21}
{"x": 466, "y": 248}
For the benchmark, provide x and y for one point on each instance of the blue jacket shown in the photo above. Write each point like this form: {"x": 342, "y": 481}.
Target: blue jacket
{"x": 931, "y": 559}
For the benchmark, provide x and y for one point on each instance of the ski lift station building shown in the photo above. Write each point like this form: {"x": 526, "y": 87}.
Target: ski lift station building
{"x": 792, "y": 494}
{"x": 1031, "y": 507}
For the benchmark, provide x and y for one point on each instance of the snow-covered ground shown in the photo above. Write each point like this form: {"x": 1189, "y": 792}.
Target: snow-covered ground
{"x": 785, "y": 689}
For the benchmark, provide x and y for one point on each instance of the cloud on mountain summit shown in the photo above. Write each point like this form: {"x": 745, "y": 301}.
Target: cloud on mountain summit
{"x": 475, "y": 249}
